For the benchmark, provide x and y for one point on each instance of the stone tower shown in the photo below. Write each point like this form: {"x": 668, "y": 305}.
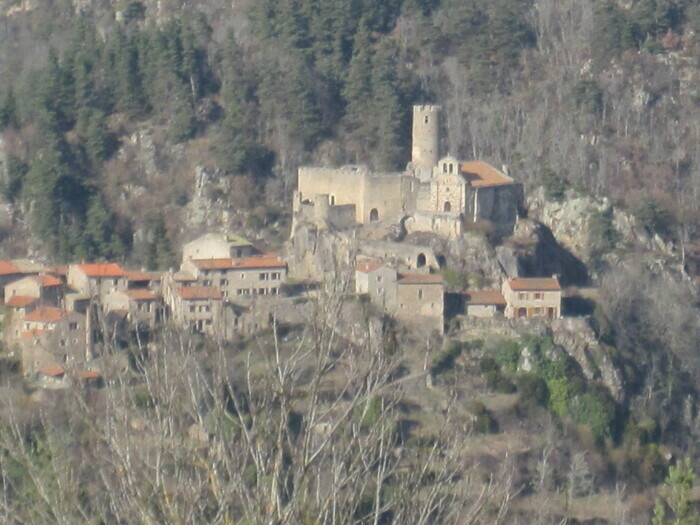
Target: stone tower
{"x": 426, "y": 139}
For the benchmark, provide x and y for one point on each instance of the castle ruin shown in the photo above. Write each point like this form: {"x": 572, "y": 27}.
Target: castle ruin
{"x": 440, "y": 195}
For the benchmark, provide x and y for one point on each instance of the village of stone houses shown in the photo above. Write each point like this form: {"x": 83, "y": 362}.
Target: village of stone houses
{"x": 389, "y": 240}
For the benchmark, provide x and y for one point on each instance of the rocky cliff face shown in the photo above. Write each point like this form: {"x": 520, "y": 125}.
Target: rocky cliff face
{"x": 569, "y": 223}
{"x": 534, "y": 251}
{"x": 575, "y": 335}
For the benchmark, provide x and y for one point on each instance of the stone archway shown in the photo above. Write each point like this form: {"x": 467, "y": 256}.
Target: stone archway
{"x": 421, "y": 260}
{"x": 373, "y": 215}
{"x": 522, "y": 312}
{"x": 447, "y": 206}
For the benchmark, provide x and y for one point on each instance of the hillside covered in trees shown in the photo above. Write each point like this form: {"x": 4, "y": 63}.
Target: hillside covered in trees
{"x": 128, "y": 126}
{"x": 598, "y": 96}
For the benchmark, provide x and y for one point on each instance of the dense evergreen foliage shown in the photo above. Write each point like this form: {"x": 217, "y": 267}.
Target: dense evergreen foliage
{"x": 300, "y": 75}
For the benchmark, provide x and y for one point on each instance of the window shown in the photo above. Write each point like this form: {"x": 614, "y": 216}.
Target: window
{"x": 263, "y": 276}
{"x": 239, "y": 292}
{"x": 380, "y": 291}
{"x": 192, "y": 308}
{"x": 538, "y": 310}
{"x": 73, "y": 326}
{"x": 379, "y": 278}
{"x": 522, "y": 296}
{"x": 242, "y": 276}
{"x": 274, "y": 276}
{"x": 420, "y": 294}
{"x": 261, "y": 291}
{"x": 225, "y": 293}
{"x": 224, "y": 282}
{"x": 63, "y": 342}
{"x": 115, "y": 282}
{"x": 207, "y": 322}
{"x": 274, "y": 291}
{"x": 207, "y": 282}
{"x": 425, "y": 119}
{"x": 538, "y": 295}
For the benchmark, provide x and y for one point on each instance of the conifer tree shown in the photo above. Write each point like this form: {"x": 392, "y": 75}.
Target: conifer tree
{"x": 9, "y": 115}
{"x": 358, "y": 87}
{"x": 387, "y": 110}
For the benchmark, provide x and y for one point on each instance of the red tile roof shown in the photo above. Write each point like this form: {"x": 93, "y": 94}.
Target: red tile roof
{"x": 479, "y": 173}
{"x": 102, "y": 270}
{"x": 267, "y": 260}
{"x": 199, "y": 292}
{"x": 213, "y": 264}
{"x": 420, "y": 278}
{"x": 534, "y": 283}
{"x": 31, "y": 334}
{"x": 52, "y": 371}
{"x": 20, "y": 301}
{"x": 89, "y": 374}
{"x": 368, "y": 266}
{"x": 48, "y": 281}
{"x": 141, "y": 295}
{"x": 484, "y": 297}
{"x": 138, "y": 276}
{"x": 46, "y": 314}
{"x": 7, "y": 268}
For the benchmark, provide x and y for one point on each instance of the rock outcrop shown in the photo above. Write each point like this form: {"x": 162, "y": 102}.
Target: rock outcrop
{"x": 576, "y": 337}
{"x": 569, "y": 223}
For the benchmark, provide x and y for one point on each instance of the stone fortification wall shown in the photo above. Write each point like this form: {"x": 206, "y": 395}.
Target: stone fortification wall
{"x": 343, "y": 186}
{"x": 390, "y": 194}
{"x": 424, "y": 197}
{"x": 339, "y": 217}
{"x": 449, "y": 225}
{"x": 374, "y": 196}
{"x": 398, "y": 254}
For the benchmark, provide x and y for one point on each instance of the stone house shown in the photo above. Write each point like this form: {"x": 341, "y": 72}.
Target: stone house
{"x": 378, "y": 281}
{"x": 96, "y": 280}
{"x": 53, "y": 377}
{"x": 483, "y": 303}
{"x": 21, "y": 305}
{"x": 532, "y": 297}
{"x": 143, "y": 307}
{"x": 136, "y": 279}
{"x": 217, "y": 246}
{"x": 52, "y": 336}
{"x": 420, "y": 298}
{"x": 46, "y": 289}
{"x": 11, "y": 271}
{"x": 237, "y": 278}
{"x": 197, "y": 307}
